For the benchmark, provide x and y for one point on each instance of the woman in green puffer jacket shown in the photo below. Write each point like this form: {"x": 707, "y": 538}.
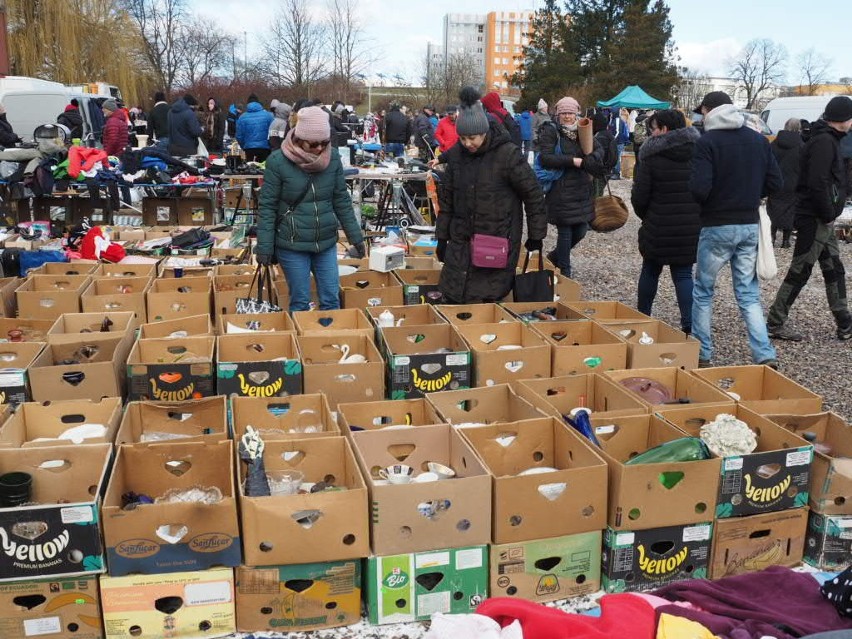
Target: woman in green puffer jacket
{"x": 303, "y": 200}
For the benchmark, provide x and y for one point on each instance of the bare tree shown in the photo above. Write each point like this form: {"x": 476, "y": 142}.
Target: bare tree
{"x": 691, "y": 88}
{"x": 349, "y": 54}
{"x": 813, "y": 70}
{"x": 293, "y": 47}
{"x": 205, "y": 50}
{"x": 442, "y": 82}
{"x": 163, "y": 27}
{"x": 759, "y": 65}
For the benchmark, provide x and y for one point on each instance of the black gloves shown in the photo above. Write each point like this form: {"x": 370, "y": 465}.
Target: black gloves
{"x": 441, "y": 250}
{"x": 263, "y": 259}
{"x": 533, "y": 245}
{"x": 360, "y": 250}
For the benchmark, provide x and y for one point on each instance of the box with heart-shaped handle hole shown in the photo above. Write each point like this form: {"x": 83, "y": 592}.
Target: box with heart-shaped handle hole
{"x": 62, "y": 423}
{"x": 370, "y": 288}
{"x": 775, "y": 476}
{"x": 31, "y": 330}
{"x": 425, "y": 359}
{"x": 582, "y": 346}
{"x": 172, "y": 369}
{"x": 77, "y": 267}
{"x": 117, "y": 294}
{"x": 254, "y": 322}
{"x": 424, "y": 515}
{"x": 250, "y": 365}
{"x": 89, "y": 327}
{"x": 655, "y": 494}
{"x": 607, "y": 311}
{"x": 58, "y": 532}
{"x": 327, "y": 520}
{"x": 420, "y": 286}
{"x": 655, "y": 344}
{"x": 662, "y": 388}
{"x": 173, "y": 298}
{"x": 227, "y": 289}
{"x": 534, "y": 312}
{"x": 345, "y": 320}
{"x": 462, "y": 314}
{"x": 277, "y": 418}
{"x": 82, "y": 369}
{"x": 505, "y": 353}
{"x": 142, "y": 269}
{"x": 169, "y": 535}
{"x": 401, "y": 316}
{"x": 204, "y": 420}
{"x": 546, "y": 481}
{"x": 49, "y": 296}
{"x": 347, "y": 368}
{"x": 479, "y": 406}
{"x": 400, "y": 413}
{"x": 558, "y": 396}
{"x": 15, "y": 361}
{"x": 180, "y": 327}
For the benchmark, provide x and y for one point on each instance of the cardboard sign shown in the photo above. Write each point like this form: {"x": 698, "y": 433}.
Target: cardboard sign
{"x": 425, "y": 359}
{"x": 251, "y": 365}
{"x": 640, "y": 560}
{"x": 828, "y": 544}
{"x": 413, "y": 587}
{"x": 547, "y": 569}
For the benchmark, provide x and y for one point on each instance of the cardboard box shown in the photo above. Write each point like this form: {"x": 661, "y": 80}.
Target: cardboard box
{"x": 85, "y": 328}
{"x": 831, "y": 470}
{"x": 179, "y": 297}
{"x": 182, "y": 605}
{"x": 349, "y": 320}
{"x": 412, "y": 587}
{"x": 135, "y": 269}
{"x": 51, "y": 607}
{"x": 328, "y": 525}
{"x": 763, "y": 390}
{"x": 159, "y": 210}
{"x": 653, "y": 495}
{"x": 460, "y": 507}
{"x": 547, "y": 569}
{"x": 776, "y": 476}
{"x": 480, "y": 406}
{"x": 34, "y": 330}
{"x": 203, "y": 420}
{"x": 670, "y": 348}
{"x": 642, "y": 560}
{"x": 227, "y": 289}
{"x": 369, "y": 288}
{"x": 274, "y": 598}
{"x": 582, "y": 346}
{"x": 425, "y": 359}
{"x": 753, "y": 543}
{"x": 362, "y": 416}
{"x": 559, "y": 395}
{"x": 110, "y": 294}
{"x": 608, "y": 311}
{"x": 323, "y": 372}
{"x": 35, "y": 424}
{"x": 16, "y": 359}
{"x": 8, "y": 300}
{"x": 252, "y": 365}
{"x": 387, "y": 258}
{"x": 420, "y": 287}
{"x": 570, "y": 499}
{"x": 258, "y": 322}
{"x": 463, "y": 314}
{"x": 495, "y": 363}
{"x": 422, "y": 263}
{"x": 411, "y": 315}
{"x": 156, "y": 370}
{"x": 684, "y": 388}
{"x": 565, "y": 289}
{"x": 534, "y": 312}
{"x": 54, "y": 538}
{"x": 179, "y": 327}
{"x": 299, "y": 416}
{"x": 49, "y": 296}
{"x": 171, "y": 536}
{"x": 194, "y": 210}
{"x": 76, "y": 267}
{"x": 100, "y": 371}
{"x": 828, "y": 542}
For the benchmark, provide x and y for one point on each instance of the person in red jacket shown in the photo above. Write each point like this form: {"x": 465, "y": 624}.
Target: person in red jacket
{"x": 115, "y": 129}
{"x": 445, "y": 132}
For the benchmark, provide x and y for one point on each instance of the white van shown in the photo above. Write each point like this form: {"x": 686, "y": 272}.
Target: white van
{"x": 31, "y": 102}
{"x": 779, "y": 110}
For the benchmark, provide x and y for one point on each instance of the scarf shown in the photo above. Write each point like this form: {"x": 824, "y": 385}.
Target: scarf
{"x": 308, "y": 162}
{"x": 569, "y": 130}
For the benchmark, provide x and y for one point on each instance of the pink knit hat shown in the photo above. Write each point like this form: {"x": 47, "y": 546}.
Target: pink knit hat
{"x": 567, "y": 105}
{"x": 312, "y": 125}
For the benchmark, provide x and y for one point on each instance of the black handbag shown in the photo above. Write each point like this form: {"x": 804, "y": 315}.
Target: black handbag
{"x": 253, "y": 305}
{"x": 535, "y": 286}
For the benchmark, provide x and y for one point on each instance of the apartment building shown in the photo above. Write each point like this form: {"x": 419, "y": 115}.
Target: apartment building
{"x": 507, "y": 33}
{"x": 464, "y": 34}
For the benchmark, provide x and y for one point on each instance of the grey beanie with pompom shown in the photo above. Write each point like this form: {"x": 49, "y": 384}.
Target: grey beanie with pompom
{"x": 471, "y": 119}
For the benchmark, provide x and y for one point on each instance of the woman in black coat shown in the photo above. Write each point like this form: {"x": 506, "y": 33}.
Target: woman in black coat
{"x": 786, "y": 147}
{"x": 486, "y": 188}
{"x": 570, "y": 203}
{"x": 670, "y": 216}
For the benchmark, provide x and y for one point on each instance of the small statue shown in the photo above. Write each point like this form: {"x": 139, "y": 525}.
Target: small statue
{"x": 251, "y": 452}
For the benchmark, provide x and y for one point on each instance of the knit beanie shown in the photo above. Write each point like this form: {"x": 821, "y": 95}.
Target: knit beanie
{"x": 471, "y": 119}
{"x": 312, "y": 125}
{"x": 110, "y": 105}
{"x": 567, "y": 105}
{"x": 838, "y": 109}
{"x": 2, "y": 109}
{"x": 542, "y": 104}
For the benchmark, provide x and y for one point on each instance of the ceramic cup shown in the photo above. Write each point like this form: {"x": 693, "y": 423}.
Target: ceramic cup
{"x": 284, "y": 482}
{"x": 442, "y": 471}
{"x": 425, "y": 478}
{"x": 397, "y": 474}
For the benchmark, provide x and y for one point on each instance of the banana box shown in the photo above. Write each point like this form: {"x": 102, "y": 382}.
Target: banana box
{"x": 828, "y": 545}
{"x": 750, "y": 544}
{"x": 51, "y": 607}
{"x": 425, "y": 359}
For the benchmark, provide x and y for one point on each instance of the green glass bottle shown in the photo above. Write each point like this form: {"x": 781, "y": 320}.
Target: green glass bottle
{"x": 677, "y": 450}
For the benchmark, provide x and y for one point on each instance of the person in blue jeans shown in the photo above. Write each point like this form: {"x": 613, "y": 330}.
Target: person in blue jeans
{"x": 303, "y": 200}
{"x": 622, "y": 139}
{"x": 732, "y": 168}
{"x": 670, "y": 215}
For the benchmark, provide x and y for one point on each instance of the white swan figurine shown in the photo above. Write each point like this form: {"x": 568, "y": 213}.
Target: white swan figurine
{"x": 346, "y": 358}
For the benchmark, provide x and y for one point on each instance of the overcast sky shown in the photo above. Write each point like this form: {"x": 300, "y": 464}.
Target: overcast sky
{"x": 706, "y": 33}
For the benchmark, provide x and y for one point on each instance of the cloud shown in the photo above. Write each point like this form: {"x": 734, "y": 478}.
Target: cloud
{"x": 709, "y": 57}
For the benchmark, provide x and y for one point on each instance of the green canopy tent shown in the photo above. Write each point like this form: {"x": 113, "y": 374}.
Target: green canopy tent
{"x": 633, "y": 97}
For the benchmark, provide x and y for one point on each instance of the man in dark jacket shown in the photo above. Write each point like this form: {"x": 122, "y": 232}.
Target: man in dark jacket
{"x": 820, "y": 197}
{"x": 662, "y": 200}
{"x": 397, "y": 131}
{"x": 8, "y": 137}
{"x": 72, "y": 119}
{"x": 732, "y": 169}
{"x": 786, "y": 146}
{"x": 158, "y": 120}
{"x": 424, "y": 133}
{"x": 184, "y": 127}
{"x": 253, "y": 130}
